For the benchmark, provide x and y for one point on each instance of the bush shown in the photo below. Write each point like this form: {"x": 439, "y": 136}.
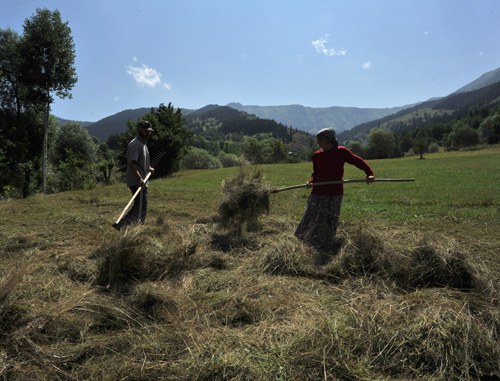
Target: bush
{"x": 411, "y": 152}
{"x": 198, "y": 158}
{"x": 228, "y": 160}
{"x": 71, "y": 174}
{"x": 433, "y": 147}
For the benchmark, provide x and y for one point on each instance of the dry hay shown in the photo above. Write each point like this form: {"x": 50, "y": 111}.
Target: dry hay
{"x": 245, "y": 198}
{"x": 386, "y": 307}
{"x": 144, "y": 254}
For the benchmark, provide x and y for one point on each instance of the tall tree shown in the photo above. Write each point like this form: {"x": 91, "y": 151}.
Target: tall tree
{"x": 169, "y": 136}
{"x": 356, "y": 148}
{"x": 48, "y": 67}
{"x": 381, "y": 144}
{"x": 279, "y": 151}
{"x": 252, "y": 150}
{"x": 11, "y": 88}
{"x": 420, "y": 145}
{"x": 72, "y": 136}
{"x": 21, "y": 128}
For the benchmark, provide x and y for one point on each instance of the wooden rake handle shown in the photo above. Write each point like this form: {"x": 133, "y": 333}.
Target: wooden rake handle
{"x": 133, "y": 198}
{"x": 339, "y": 182}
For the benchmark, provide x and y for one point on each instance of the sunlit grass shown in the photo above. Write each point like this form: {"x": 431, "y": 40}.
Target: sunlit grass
{"x": 449, "y": 187}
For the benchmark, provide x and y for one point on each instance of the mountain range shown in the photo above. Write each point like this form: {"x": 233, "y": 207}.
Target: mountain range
{"x": 349, "y": 122}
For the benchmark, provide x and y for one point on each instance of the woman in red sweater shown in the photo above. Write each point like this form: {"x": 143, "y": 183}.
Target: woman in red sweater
{"x": 321, "y": 217}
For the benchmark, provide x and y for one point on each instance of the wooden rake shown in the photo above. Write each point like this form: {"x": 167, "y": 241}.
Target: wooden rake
{"x": 339, "y": 182}
{"x": 154, "y": 163}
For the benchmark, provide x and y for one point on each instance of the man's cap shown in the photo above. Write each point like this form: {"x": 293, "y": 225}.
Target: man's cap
{"x": 145, "y": 125}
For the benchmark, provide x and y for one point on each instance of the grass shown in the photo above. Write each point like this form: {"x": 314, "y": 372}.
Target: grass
{"x": 411, "y": 294}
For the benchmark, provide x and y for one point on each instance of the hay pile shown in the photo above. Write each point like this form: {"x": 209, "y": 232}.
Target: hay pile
{"x": 245, "y": 198}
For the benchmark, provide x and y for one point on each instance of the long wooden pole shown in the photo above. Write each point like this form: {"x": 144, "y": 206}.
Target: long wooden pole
{"x": 133, "y": 198}
{"x": 338, "y": 182}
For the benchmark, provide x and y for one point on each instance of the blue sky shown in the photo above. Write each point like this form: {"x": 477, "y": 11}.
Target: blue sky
{"x": 317, "y": 53}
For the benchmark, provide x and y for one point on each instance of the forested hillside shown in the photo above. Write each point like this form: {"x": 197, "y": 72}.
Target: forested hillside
{"x": 302, "y": 118}
{"x": 443, "y": 111}
{"x": 223, "y": 129}
{"x": 116, "y": 123}
{"x": 231, "y": 121}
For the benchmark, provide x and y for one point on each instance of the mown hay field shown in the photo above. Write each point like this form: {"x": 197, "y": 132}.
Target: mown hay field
{"x": 412, "y": 292}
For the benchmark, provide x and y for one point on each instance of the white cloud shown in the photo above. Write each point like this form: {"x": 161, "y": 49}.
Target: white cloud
{"x": 116, "y": 98}
{"x": 367, "y": 65}
{"x": 320, "y": 47}
{"x": 145, "y": 76}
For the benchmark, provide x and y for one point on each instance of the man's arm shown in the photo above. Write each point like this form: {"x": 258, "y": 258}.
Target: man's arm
{"x": 133, "y": 169}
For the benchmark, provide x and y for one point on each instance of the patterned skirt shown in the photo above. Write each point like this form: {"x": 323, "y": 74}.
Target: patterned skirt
{"x": 320, "y": 221}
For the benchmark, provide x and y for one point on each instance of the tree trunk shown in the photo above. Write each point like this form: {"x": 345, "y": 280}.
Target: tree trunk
{"x": 27, "y": 181}
{"x": 44, "y": 154}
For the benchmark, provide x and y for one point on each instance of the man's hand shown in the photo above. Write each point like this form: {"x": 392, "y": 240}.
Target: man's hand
{"x": 309, "y": 185}
{"x": 152, "y": 170}
{"x": 370, "y": 179}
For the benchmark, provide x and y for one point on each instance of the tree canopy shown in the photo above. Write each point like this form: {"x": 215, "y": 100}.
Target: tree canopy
{"x": 169, "y": 136}
{"x": 48, "y": 57}
{"x": 381, "y": 144}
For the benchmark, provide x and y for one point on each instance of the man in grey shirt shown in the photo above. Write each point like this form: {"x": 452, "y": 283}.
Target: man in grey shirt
{"x": 137, "y": 169}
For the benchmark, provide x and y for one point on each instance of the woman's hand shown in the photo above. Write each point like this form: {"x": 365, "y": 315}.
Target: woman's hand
{"x": 309, "y": 185}
{"x": 370, "y": 179}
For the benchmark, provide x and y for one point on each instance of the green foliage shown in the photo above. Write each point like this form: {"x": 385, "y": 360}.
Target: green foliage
{"x": 433, "y": 147}
{"x": 169, "y": 136}
{"x": 73, "y": 137}
{"x": 420, "y": 146}
{"x": 74, "y": 173}
{"x": 114, "y": 141}
{"x": 48, "y": 55}
{"x": 228, "y": 160}
{"x": 106, "y": 167}
{"x": 12, "y": 91}
{"x": 463, "y": 135}
{"x": 252, "y": 151}
{"x": 490, "y": 129}
{"x": 7, "y": 193}
{"x": 279, "y": 151}
{"x": 405, "y": 143}
{"x": 356, "y": 148}
{"x": 381, "y": 144}
{"x": 198, "y": 158}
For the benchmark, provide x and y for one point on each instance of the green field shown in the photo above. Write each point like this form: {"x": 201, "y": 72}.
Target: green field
{"x": 412, "y": 293}
{"x": 458, "y": 188}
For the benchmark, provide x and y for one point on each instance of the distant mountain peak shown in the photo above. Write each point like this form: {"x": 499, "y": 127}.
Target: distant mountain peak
{"x": 236, "y": 105}
{"x": 486, "y": 79}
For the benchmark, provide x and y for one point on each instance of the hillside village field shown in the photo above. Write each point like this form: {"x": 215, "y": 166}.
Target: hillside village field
{"x": 413, "y": 292}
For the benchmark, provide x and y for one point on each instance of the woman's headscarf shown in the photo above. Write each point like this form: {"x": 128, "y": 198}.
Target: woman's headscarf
{"x": 329, "y": 135}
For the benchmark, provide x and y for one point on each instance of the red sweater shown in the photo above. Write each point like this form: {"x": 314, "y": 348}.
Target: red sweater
{"x": 329, "y": 166}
